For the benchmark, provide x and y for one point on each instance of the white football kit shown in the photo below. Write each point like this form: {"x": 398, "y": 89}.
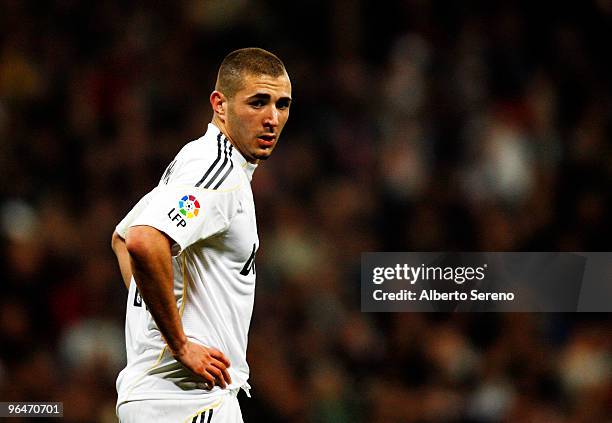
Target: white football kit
{"x": 205, "y": 204}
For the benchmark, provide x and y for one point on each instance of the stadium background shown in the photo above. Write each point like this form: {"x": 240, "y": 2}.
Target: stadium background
{"x": 417, "y": 126}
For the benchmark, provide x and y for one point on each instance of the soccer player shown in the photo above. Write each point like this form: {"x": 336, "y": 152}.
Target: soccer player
{"x": 186, "y": 253}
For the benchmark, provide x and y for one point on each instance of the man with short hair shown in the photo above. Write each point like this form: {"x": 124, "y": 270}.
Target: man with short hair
{"x": 190, "y": 246}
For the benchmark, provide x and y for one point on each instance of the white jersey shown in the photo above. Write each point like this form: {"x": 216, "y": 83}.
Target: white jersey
{"x": 205, "y": 204}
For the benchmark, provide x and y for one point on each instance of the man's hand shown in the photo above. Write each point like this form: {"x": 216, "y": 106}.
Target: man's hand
{"x": 208, "y": 363}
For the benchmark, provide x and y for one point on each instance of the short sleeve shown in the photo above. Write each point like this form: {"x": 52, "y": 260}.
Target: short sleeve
{"x": 186, "y": 214}
{"x": 123, "y": 226}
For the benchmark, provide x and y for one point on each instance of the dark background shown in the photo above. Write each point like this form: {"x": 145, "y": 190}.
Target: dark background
{"x": 416, "y": 126}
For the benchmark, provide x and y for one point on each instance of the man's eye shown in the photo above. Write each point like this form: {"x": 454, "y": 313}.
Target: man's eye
{"x": 282, "y": 105}
{"x": 257, "y": 103}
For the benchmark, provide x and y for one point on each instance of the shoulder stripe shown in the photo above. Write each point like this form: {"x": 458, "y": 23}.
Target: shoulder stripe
{"x": 214, "y": 163}
{"x": 231, "y": 148}
{"x": 168, "y": 172}
{"x": 225, "y": 160}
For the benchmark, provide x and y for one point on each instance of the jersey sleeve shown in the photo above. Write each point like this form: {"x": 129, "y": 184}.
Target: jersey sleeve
{"x": 126, "y": 222}
{"x": 186, "y": 214}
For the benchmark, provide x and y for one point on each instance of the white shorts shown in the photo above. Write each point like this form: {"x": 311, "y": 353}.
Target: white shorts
{"x": 220, "y": 409}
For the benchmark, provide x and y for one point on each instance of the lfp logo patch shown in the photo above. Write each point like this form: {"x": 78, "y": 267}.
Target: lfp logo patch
{"x": 189, "y": 206}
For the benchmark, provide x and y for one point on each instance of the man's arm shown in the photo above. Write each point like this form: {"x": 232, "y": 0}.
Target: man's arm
{"x": 151, "y": 263}
{"x": 123, "y": 258}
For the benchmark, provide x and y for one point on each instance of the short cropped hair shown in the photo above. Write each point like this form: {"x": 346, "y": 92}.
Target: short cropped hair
{"x": 246, "y": 61}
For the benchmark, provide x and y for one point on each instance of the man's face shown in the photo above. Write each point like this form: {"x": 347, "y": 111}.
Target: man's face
{"x": 257, "y": 114}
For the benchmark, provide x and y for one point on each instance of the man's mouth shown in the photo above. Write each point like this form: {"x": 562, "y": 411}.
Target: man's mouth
{"x": 266, "y": 140}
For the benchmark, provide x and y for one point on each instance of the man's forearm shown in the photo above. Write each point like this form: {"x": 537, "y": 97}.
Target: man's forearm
{"x": 151, "y": 262}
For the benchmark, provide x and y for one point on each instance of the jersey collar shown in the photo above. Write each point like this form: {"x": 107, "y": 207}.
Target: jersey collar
{"x": 238, "y": 159}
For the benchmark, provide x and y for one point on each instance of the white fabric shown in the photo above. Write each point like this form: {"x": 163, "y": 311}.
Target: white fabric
{"x": 223, "y": 409}
{"x": 214, "y": 273}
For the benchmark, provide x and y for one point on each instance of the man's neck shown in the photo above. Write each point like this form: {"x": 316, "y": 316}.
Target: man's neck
{"x": 221, "y": 125}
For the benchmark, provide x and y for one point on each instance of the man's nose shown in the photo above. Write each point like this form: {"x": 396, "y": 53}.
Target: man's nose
{"x": 271, "y": 118}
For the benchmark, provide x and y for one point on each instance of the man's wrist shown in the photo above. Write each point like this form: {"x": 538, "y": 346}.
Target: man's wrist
{"x": 178, "y": 348}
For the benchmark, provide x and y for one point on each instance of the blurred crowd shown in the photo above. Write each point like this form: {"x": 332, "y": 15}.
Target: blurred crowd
{"x": 416, "y": 126}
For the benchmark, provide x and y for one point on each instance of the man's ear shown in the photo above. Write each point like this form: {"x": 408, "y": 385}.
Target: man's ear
{"x": 218, "y": 103}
